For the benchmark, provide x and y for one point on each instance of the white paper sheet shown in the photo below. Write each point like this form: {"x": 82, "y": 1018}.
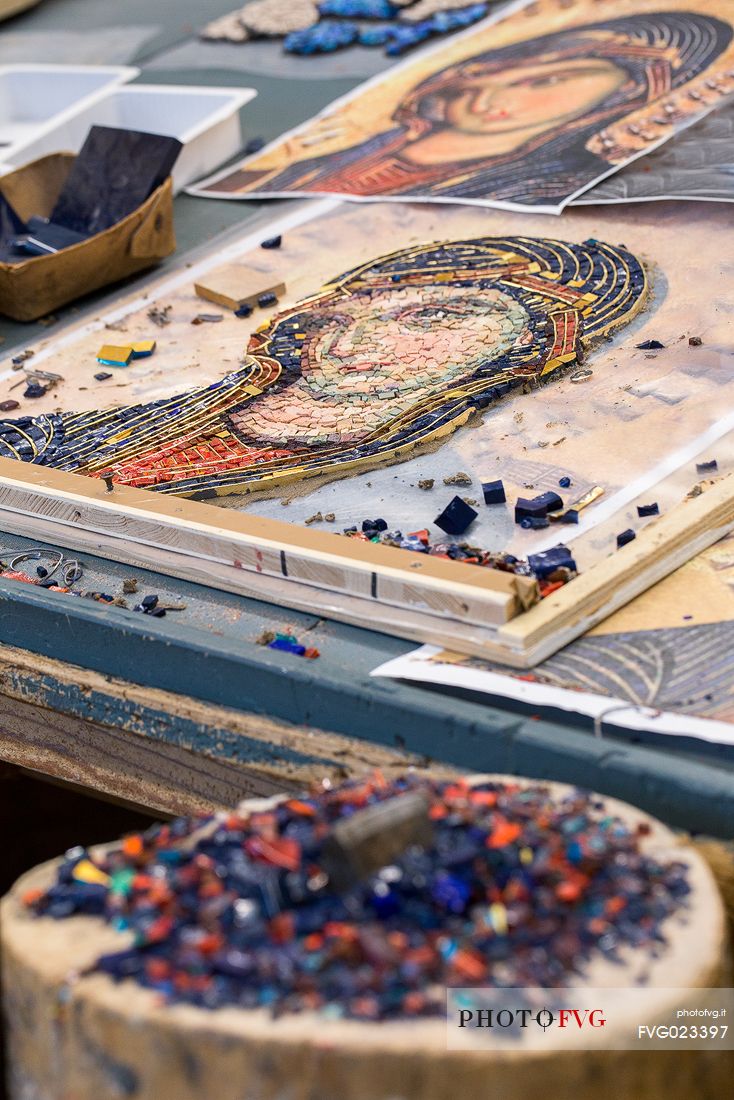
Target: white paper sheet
{"x": 421, "y": 665}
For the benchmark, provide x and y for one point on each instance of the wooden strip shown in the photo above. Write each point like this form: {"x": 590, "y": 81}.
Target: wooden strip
{"x": 165, "y": 768}
{"x": 199, "y": 535}
{"x": 237, "y": 286}
{"x": 417, "y": 597}
{"x": 414, "y": 625}
{"x": 122, "y": 765}
{"x": 659, "y": 549}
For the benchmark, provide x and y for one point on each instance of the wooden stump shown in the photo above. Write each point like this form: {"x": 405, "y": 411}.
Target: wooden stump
{"x": 90, "y": 1039}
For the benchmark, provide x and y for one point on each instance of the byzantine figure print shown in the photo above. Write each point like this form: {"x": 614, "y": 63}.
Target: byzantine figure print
{"x": 395, "y": 354}
{"x": 530, "y": 124}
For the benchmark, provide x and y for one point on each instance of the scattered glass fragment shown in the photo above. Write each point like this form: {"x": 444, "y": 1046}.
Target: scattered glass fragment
{"x": 113, "y": 355}
{"x": 456, "y": 517}
{"x": 323, "y": 37}
{"x": 512, "y": 884}
{"x": 143, "y": 348}
{"x": 420, "y": 542}
{"x": 287, "y": 643}
{"x": 34, "y": 389}
{"x": 494, "y": 492}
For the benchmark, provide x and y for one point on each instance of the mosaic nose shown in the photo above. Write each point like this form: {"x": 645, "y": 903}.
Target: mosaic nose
{"x": 348, "y": 343}
{"x": 484, "y": 99}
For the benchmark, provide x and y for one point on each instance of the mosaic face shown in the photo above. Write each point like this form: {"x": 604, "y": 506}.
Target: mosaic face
{"x": 530, "y": 110}
{"x": 392, "y": 355}
{"x": 526, "y": 98}
{"x": 369, "y": 357}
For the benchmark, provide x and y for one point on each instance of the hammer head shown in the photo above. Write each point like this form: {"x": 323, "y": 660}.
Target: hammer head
{"x": 374, "y": 837}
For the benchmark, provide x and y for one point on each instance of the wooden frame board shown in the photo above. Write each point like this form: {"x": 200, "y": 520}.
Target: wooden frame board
{"x": 472, "y": 610}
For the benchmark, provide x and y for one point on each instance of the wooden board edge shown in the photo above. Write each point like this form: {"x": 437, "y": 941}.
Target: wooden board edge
{"x": 661, "y": 547}
{"x": 524, "y": 642}
{"x": 166, "y": 768}
{"x": 246, "y": 542}
{"x": 414, "y": 626}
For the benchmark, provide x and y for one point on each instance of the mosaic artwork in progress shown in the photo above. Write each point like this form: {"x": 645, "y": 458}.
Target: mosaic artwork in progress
{"x": 629, "y": 424}
{"x": 389, "y": 357}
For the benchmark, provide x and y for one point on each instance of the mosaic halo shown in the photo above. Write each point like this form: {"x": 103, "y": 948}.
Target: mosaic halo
{"x": 388, "y": 357}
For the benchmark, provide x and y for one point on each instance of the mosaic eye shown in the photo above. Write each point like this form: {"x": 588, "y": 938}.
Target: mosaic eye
{"x": 560, "y": 76}
{"x": 319, "y": 321}
{"x": 428, "y": 316}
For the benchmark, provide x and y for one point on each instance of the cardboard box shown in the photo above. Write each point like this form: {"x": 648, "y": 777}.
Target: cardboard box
{"x": 37, "y": 286}
{"x": 15, "y": 7}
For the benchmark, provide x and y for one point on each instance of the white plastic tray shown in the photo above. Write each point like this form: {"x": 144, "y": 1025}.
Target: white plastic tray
{"x": 35, "y": 100}
{"x": 205, "y": 120}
